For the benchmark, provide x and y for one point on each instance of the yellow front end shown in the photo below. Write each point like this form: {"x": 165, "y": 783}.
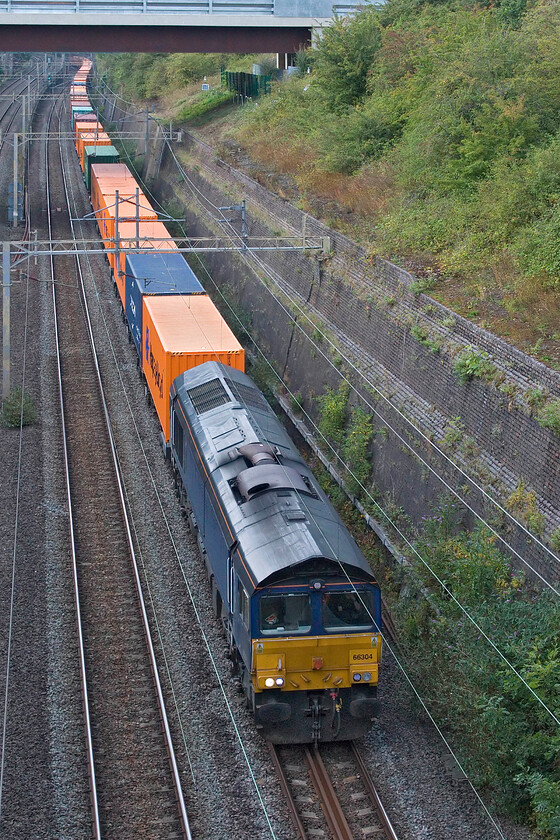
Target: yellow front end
{"x": 315, "y": 663}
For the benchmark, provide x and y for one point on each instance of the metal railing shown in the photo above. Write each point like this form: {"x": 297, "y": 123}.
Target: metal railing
{"x": 183, "y": 7}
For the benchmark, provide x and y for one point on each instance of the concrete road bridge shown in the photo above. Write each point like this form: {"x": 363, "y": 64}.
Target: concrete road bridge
{"x": 238, "y": 26}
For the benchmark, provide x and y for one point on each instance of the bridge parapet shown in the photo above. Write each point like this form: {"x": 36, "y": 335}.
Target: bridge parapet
{"x": 298, "y": 9}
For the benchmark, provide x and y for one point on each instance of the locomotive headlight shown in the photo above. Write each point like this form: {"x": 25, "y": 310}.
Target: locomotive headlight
{"x": 366, "y": 676}
{"x": 269, "y": 682}
{"x": 279, "y": 681}
{"x": 357, "y": 677}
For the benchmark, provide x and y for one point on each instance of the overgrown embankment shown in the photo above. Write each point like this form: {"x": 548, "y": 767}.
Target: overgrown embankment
{"x": 428, "y": 131}
{"x": 432, "y": 132}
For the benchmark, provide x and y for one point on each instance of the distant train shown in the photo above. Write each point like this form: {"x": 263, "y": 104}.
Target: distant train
{"x": 299, "y": 605}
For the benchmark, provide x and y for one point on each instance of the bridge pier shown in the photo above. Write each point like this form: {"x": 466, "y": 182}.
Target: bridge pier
{"x": 285, "y": 60}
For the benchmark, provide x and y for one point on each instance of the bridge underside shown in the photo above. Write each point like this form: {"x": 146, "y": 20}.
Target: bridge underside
{"x": 173, "y": 37}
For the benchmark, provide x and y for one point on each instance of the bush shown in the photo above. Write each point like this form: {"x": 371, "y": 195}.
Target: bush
{"x": 332, "y": 413}
{"x": 14, "y": 413}
{"x": 473, "y": 363}
{"x": 555, "y": 540}
{"x": 344, "y": 56}
{"x": 355, "y": 449}
{"x": 205, "y": 102}
{"x": 523, "y": 504}
{"x": 506, "y": 741}
{"x": 549, "y": 416}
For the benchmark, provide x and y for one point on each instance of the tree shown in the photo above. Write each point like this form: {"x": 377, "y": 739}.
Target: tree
{"x": 344, "y": 57}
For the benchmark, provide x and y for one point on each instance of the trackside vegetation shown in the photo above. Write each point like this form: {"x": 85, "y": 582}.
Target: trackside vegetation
{"x": 456, "y": 603}
{"x": 18, "y": 410}
{"x": 151, "y": 75}
{"x": 509, "y": 744}
{"x": 506, "y": 741}
{"x": 438, "y": 124}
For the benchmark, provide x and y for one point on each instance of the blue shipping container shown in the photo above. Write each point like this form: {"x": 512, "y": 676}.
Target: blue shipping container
{"x": 152, "y": 273}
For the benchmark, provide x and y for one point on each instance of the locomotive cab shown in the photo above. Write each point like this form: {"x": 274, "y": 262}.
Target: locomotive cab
{"x": 316, "y": 650}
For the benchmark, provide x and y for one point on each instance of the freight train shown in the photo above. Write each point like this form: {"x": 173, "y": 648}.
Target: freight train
{"x": 299, "y": 605}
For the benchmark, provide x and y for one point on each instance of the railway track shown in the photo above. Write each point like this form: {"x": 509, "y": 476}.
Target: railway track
{"x": 330, "y": 793}
{"x": 134, "y": 782}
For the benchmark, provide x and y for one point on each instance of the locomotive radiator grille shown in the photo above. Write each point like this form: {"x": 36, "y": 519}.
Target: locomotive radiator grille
{"x": 207, "y": 396}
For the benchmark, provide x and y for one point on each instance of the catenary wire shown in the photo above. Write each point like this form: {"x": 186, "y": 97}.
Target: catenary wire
{"x": 403, "y": 440}
{"x": 401, "y": 414}
{"x": 415, "y": 550}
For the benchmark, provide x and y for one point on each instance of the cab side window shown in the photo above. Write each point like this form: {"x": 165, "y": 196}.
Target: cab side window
{"x": 243, "y": 601}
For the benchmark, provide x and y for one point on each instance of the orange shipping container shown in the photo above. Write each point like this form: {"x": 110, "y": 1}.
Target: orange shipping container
{"x": 107, "y": 178}
{"x": 106, "y": 214}
{"x": 86, "y": 125}
{"x": 181, "y": 332}
{"x": 127, "y": 239}
{"x": 89, "y": 138}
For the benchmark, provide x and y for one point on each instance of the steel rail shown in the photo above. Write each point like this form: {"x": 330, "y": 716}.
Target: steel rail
{"x": 83, "y": 680}
{"x": 15, "y": 101}
{"x": 296, "y": 819}
{"x": 330, "y": 803}
{"x": 126, "y": 521}
{"x": 374, "y": 796}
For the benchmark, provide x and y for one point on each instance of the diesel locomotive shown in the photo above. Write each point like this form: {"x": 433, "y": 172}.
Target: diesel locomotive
{"x": 298, "y": 602}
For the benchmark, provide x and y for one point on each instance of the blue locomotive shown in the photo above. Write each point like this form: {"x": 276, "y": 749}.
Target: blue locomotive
{"x": 299, "y": 605}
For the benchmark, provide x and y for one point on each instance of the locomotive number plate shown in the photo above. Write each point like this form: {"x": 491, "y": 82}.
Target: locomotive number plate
{"x": 362, "y": 657}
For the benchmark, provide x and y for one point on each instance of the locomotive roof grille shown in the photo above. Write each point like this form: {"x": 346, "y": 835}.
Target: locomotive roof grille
{"x": 247, "y": 395}
{"x": 207, "y": 396}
